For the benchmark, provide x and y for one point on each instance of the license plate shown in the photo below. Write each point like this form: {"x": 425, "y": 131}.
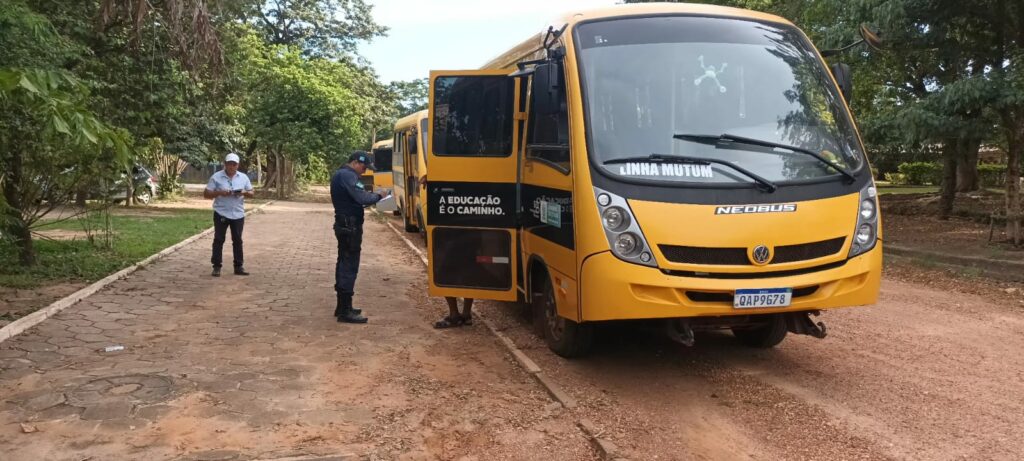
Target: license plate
{"x": 763, "y": 297}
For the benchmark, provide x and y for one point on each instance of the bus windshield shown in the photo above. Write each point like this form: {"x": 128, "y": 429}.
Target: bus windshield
{"x": 666, "y": 86}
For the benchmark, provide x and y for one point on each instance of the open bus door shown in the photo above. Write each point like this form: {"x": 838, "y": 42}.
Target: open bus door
{"x": 472, "y": 186}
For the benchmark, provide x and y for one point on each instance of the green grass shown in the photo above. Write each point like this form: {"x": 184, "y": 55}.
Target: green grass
{"x": 883, "y": 190}
{"x": 135, "y": 238}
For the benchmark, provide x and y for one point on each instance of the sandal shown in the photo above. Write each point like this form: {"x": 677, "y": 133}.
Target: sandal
{"x": 467, "y": 320}
{"x": 449, "y": 322}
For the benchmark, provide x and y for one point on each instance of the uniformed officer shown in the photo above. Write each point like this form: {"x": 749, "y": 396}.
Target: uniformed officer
{"x": 349, "y": 198}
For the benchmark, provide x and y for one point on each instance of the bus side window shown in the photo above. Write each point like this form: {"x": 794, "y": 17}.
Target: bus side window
{"x": 548, "y": 133}
{"x": 412, "y": 142}
{"x": 396, "y": 153}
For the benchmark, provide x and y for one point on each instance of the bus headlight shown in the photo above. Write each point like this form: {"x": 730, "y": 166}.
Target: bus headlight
{"x": 615, "y": 219}
{"x": 866, "y": 233}
{"x": 867, "y": 209}
{"x": 626, "y": 245}
{"x": 625, "y": 238}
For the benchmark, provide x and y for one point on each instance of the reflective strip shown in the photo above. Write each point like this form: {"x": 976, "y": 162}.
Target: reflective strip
{"x": 492, "y": 259}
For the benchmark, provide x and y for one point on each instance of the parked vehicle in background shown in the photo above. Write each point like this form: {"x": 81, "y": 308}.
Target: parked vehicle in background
{"x": 146, "y": 185}
{"x": 409, "y": 165}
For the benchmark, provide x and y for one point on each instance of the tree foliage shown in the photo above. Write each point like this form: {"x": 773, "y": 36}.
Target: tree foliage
{"x": 50, "y": 142}
{"x": 321, "y": 28}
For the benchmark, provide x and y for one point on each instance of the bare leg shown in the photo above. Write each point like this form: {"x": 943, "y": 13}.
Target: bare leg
{"x": 453, "y": 306}
{"x": 453, "y": 319}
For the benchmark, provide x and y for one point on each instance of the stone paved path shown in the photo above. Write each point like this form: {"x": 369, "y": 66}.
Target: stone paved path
{"x": 255, "y": 367}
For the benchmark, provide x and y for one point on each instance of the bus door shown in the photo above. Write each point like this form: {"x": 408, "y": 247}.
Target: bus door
{"x": 472, "y": 193}
{"x": 408, "y": 184}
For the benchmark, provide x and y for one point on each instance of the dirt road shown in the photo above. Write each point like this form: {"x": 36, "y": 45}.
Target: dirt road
{"x": 242, "y": 368}
{"x": 925, "y": 374}
{"x": 255, "y": 368}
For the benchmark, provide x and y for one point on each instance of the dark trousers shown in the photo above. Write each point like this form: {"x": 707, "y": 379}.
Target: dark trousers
{"x": 220, "y": 227}
{"x": 349, "y": 232}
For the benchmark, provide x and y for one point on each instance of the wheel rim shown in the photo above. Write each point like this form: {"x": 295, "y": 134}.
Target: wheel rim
{"x": 555, "y": 323}
{"x": 144, "y": 198}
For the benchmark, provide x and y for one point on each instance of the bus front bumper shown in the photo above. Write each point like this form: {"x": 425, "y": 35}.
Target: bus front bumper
{"x": 611, "y": 289}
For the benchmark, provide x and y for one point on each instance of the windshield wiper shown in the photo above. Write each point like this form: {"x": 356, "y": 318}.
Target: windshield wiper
{"x": 727, "y": 138}
{"x": 762, "y": 183}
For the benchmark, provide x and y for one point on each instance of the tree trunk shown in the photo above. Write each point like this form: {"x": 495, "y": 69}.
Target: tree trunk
{"x": 280, "y": 174}
{"x": 17, "y": 226}
{"x": 949, "y": 163}
{"x": 81, "y": 196}
{"x": 1015, "y": 146}
{"x": 967, "y": 179}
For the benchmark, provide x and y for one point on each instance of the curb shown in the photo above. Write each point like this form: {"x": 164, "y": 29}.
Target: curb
{"x": 605, "y": 448}
{"x": 524, "y": 361}
{"x": 19, "y": 326}
{"x": 996, "y": 268}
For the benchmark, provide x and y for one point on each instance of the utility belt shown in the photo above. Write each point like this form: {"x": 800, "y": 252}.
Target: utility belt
{"x": 348, "y": 225}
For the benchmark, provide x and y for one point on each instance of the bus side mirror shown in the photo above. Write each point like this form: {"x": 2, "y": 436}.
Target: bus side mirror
{"x": 844, "y": 77}
{"x": 546, "y": 83}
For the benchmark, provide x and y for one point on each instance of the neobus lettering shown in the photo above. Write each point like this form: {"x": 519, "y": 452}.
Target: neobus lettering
{"x": 747, "y": 209}
{"x": 666, "y": 169}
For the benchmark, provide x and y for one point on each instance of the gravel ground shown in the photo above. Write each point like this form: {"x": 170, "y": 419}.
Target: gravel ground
{"x": 933, "y": 371}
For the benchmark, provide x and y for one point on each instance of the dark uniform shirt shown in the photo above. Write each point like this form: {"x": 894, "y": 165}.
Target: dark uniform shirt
{"x": 348, "y": 194}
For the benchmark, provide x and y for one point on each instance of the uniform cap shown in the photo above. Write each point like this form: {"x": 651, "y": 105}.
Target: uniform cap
{"x": 359, "y": 156}
{"x": 231, "y": 158}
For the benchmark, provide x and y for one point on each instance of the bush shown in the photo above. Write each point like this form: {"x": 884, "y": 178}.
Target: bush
{"x": 896, "y": 179}
{"x": 992, "y": 175}
{"x": 315, "y": 171}
{"x": 921, "y": 173}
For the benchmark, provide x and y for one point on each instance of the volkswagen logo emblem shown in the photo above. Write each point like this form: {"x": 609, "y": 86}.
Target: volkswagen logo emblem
{"x": 761, "y": 255}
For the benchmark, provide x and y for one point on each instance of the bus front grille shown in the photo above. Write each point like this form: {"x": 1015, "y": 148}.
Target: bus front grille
{"x": 706, "y": 255}
{"x": 805, "y": 251}
{"x": 738, "y": 256}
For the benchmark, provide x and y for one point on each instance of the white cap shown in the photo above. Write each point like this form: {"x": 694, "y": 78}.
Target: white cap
{"x": 231, "y": 158}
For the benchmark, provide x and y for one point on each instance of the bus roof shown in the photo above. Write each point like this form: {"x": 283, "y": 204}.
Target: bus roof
{"x": 383, "y": 144}
{"x": 410, "y": 120}
{"x": 534, "y": 44}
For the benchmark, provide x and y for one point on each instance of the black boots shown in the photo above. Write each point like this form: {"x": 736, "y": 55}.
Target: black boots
{"x": 344, "y": 311}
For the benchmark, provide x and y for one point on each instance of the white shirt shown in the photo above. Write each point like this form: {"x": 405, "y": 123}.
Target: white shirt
{"x": 230, "y": 206}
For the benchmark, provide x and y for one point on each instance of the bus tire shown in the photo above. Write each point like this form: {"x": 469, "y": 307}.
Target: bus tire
{"x": 764, "y": 336}
{"x": 409, "y": 227}
{"x": 563, "y": 336}
{"x": 422, "y": 225}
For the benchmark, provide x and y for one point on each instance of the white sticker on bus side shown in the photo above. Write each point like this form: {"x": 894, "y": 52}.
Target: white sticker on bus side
{"x": 671, "y": 170}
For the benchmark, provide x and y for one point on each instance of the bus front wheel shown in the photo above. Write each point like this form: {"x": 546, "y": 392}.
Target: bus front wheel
{"x": 763, "y": 336}
{"x": 422, "y": 225}
{"x": 563, "y": 336}
{"x": 409, "y": 226}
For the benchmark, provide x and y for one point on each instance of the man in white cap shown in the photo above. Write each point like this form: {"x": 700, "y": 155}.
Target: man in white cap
{"x": 228, "y": 188}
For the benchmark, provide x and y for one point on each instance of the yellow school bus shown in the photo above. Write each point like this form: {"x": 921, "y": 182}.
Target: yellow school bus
{"x": 409, "y": 169}
{"x": 381, "y": 153}
{"x": 690, "y": 164}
